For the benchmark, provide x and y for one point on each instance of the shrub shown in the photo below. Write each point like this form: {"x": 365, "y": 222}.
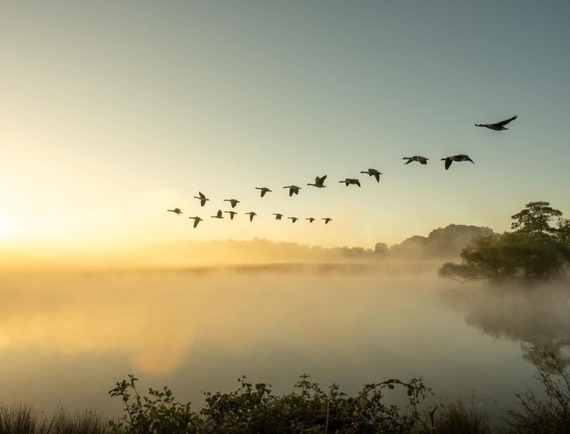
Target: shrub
{"x": 550, "y": 415}
{"x": 254, "y": 409}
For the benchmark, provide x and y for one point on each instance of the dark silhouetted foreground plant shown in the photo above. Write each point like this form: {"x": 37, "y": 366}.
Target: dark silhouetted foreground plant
{"x": 254, "y": 409}
{"x": 458, "y": 417}
{"x": 157, "y": 413}
{"x": 22, "y": 419}
{"x": 550, "y": 415}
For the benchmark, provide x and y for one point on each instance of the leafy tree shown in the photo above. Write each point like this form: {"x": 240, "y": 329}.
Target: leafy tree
{"x": 534, "y": 250}
{"x": 536, "y": 219}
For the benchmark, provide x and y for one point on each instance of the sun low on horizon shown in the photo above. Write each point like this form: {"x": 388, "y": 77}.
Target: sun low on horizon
{"x": 114, "y": 113}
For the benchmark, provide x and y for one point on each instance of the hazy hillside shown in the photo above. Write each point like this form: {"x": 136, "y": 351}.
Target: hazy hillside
{"x": 441, "y": 244}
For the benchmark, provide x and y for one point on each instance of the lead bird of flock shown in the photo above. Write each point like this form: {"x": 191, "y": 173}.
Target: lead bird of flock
{"x": 498, "y": 126}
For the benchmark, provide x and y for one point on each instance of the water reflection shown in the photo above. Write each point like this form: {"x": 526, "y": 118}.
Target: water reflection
{"x": 66, "y": 339}
{"x": 156, "y": 318}
{"x": 536, "y": 316}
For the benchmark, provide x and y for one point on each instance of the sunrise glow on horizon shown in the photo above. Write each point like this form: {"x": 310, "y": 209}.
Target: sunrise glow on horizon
{"x": 114, "y": 113}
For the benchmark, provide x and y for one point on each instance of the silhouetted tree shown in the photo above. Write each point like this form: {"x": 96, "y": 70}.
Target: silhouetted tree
{"x": 381, "y": 250}
{"x": 535, "y": 250}
{"x": 441, "y": 243}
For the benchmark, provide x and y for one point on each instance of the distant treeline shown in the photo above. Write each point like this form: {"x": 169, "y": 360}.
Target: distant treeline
{"x": 441, "y": 244}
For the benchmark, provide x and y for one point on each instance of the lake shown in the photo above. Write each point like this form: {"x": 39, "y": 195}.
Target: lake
{"x": 66, "y": 338}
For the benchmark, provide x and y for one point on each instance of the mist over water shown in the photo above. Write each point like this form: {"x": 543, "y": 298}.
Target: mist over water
{"x": 65, "y": 338}
{"x": 534, "y": 316}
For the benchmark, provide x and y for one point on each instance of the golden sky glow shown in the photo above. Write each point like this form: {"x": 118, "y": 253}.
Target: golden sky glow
{"x": 112, "y": 115}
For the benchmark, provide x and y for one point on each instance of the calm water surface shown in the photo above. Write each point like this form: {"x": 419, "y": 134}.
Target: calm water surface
{"x": 66, "y": 339}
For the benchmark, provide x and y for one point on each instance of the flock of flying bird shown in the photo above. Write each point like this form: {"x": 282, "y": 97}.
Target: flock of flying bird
{"x": 320, "y": 182}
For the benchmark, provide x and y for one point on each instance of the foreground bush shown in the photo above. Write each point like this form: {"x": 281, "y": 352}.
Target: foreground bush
{"x": 254, "y": 409}
{"x": 550, "y": 415}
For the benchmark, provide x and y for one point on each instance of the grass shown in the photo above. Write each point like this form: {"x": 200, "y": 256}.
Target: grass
{"x": 23, "y": 419}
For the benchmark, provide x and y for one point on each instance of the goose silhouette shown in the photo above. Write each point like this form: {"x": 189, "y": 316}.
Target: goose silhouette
{"x": 319, "y": 182}
{"x": 196, "y": 220}
{"x": 327, "y": 220}
{"x": 498, "y": 126}
{"x": 176, "y": 211}
{"x": 263, "y": 190}
{"x": 233, "y": 202}
{"x": 293, "y": 189}
{"x": 350, "y": 181}
{"x": 251, "y": 215}
{"x": 418, "y": 158}
{"x": 231, "y": 213}
{"x": 202, "y": 198}
{"x": 218, "y": 215}
{"x": 373, "y": 172}
{"x": 311, "y": 219}
{"x": 458, "y": 157}
{"x": 278, "y": 216}
{"x": 293, "y": 219}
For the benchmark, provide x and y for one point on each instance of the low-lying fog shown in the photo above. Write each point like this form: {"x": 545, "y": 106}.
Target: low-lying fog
{"x": 65, "y": 339}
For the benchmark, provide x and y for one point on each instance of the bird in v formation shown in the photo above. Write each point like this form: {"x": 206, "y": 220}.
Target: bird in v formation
{"x": 319, "y": 180}
{"x": 498, "y": 126}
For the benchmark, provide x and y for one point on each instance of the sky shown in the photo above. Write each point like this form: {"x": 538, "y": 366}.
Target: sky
{"x": 113, "y": 112}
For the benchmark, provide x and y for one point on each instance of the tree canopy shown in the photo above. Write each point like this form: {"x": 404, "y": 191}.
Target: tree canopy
{"x": 538, "y": 248}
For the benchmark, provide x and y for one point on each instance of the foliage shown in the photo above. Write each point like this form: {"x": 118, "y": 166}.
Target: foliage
{"x": 441, "y": 243}
{"x": 536, "y": 218}
{"x": 254, "y": 409}
{"x": 550, "y": 415}
{"x": 535, "y": 250}
{"x": 157, "y": 413}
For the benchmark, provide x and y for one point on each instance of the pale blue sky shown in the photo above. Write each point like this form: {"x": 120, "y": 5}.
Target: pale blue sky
{"x": 112, "y": 112}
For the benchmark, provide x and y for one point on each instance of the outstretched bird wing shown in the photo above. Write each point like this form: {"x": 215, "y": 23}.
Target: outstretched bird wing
{"x": 506, "y": 121}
